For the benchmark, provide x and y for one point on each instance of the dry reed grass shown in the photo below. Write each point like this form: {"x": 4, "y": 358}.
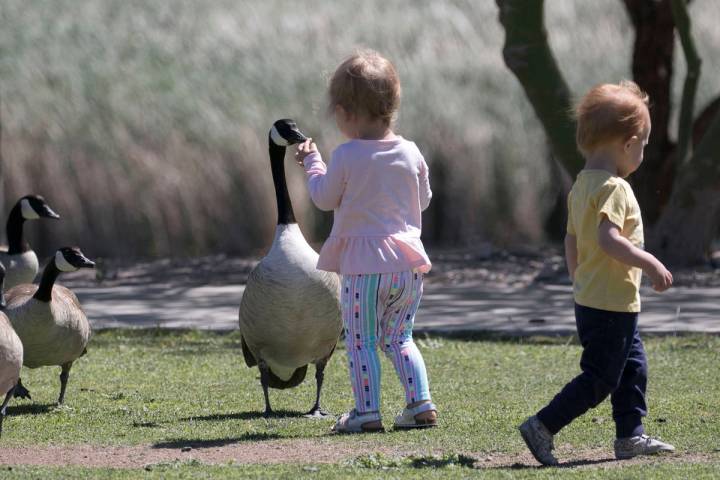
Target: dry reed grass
{"x": 144, "y": 123}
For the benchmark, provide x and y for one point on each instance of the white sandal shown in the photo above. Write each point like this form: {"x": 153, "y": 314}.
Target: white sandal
{"x": 354, "y": 422}
{"x": 407, "y": 419}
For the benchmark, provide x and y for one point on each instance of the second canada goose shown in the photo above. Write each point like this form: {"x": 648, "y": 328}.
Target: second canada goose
{"x": 290, "y": 311}
{"x": 20, "y": 261}
{"x": 11, "y": 354}
{"x": 49, "y": 320}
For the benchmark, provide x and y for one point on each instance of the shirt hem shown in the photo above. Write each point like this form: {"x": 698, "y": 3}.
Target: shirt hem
{"x": 633, "y": 308}
{"x": 419, "y": 265}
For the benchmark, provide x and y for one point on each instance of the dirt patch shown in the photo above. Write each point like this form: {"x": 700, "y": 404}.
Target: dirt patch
{"x": 299, "y": 451}
{"x": 586, "y": 458}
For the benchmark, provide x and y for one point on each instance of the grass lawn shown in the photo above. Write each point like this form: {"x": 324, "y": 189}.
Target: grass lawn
{"x": 166, "y": 391}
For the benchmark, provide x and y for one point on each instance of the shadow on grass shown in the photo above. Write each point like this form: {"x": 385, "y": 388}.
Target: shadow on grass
{"x": 444, "y": 461}
{"x": 146, "y": 425}
{"x": 218, "y": 417}
{"x": 30, "y": 408}
{"x": 570, "y": 464}
{"x": 216, "y": 442}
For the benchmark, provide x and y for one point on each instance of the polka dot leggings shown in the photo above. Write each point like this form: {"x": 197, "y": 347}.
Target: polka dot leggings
{"x": 379, "y": 309}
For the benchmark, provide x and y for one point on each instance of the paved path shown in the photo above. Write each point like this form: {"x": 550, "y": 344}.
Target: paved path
{"x": 541, "y": 308}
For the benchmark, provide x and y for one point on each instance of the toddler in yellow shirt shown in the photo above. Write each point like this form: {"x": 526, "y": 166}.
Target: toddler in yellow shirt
{"x": 605, "y": 257}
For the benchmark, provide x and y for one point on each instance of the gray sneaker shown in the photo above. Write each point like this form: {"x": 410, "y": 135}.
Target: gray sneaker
{"x": 539, "y": 440}
{"x": 640, "y": 445}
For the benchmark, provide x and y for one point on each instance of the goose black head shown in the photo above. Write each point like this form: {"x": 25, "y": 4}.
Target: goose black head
{"x": 70, "y": 259}
{"x": 33, "y": 207}
{"x": 285, "y": 132}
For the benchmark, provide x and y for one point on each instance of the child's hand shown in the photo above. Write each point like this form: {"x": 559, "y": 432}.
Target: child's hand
{"x": 304, "y": 149}
{"x": 660, "y": 277}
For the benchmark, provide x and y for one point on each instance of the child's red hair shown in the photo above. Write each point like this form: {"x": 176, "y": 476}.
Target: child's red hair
{"x": 610, "y": 112}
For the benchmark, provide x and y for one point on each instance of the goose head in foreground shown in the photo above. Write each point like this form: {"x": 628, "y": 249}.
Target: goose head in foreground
{"x": 20, "y": 261}
{"x": 290, "y": 310}
{"x": 11, "y": 354}
{"x": 49, "y": 320}
{"x": 66, "y": 259}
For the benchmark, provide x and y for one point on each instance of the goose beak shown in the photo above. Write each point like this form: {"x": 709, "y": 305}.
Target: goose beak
{"x": 48, "y": 212}
{"x": 296, "y": 136}
{"x": 86, "y": 263}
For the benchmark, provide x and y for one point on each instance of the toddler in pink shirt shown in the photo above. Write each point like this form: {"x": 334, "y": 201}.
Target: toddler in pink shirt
{"x": 377, "y": 183}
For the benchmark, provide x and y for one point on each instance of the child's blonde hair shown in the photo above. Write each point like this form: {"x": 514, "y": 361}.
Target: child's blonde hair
{"x": 366, "y": 83}
{"x": 610, "y": 112}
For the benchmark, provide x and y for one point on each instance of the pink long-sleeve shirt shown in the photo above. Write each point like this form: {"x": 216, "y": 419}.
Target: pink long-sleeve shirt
{"x": 378, "y": 189}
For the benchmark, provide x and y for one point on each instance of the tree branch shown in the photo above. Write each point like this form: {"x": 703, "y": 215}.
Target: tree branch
{"x": 683, "y": 26}
{"x": 528, "y": 55}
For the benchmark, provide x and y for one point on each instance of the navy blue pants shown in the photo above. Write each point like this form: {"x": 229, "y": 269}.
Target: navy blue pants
{"x": 613, "y": 363}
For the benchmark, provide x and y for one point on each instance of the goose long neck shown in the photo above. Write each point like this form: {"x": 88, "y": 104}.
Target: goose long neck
{"x": 3, "y": 304}
{"x": 286, "y": 215}
{"x": 44, "y": 291}
{"x": 16, "y": 242}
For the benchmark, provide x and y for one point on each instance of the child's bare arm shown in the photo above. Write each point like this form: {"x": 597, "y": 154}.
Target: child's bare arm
{"x": 571, "y": 254}
{"x": 622, "y": 250}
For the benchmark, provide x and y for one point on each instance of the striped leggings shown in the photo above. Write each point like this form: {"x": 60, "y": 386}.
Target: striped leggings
{"x": 380, "y": 309}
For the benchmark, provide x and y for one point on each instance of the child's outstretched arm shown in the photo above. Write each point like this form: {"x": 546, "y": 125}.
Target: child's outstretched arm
{"x": 622, "y": 250}
{"x": 571, "y": 254}
{"x": 326, "y": 184}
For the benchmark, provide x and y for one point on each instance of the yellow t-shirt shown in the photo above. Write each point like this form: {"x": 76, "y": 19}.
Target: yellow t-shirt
{"x": 600, "y": 281}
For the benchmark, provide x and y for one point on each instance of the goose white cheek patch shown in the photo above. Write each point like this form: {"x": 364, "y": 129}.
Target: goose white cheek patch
{"x": 62, "y": 264}
{"x": 28, "y": 212}
{"x": 277, "y": 138}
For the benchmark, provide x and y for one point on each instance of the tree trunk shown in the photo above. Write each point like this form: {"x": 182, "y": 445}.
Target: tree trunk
{"x": 681, "y": 205}
{"x": 652, "y": 68}
{"x": 691, "y": 219}
{"x": 703, "y": 121}
{"x": 527, "y": 54}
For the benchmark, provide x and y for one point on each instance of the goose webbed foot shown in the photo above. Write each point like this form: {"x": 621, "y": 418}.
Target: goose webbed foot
{"x": 317, "y": 412}
{"x": 21, "y": 391}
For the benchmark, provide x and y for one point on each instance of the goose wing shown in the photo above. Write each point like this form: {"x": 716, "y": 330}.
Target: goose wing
{"x": 52, "y": 333}
{"x": 11, "y": 355}
{"x": 247, "y": 354}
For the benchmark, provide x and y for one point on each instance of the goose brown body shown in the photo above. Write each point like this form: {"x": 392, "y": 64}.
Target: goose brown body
{"x": 290, "y": 311}
{"x": 52, "y": 333}
{"x": 11, "y": 355}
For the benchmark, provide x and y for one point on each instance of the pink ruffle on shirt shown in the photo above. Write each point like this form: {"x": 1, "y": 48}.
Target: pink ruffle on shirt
{"x": 355, "y": 255}
{"x": 377, "y": 189}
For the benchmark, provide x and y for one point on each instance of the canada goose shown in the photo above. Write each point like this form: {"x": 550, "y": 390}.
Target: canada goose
{"x": 20, "y": 261}
{"x": 11, "y": 354}
{"x": 290, "y": 311}
{"x": 49, "y": 320}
